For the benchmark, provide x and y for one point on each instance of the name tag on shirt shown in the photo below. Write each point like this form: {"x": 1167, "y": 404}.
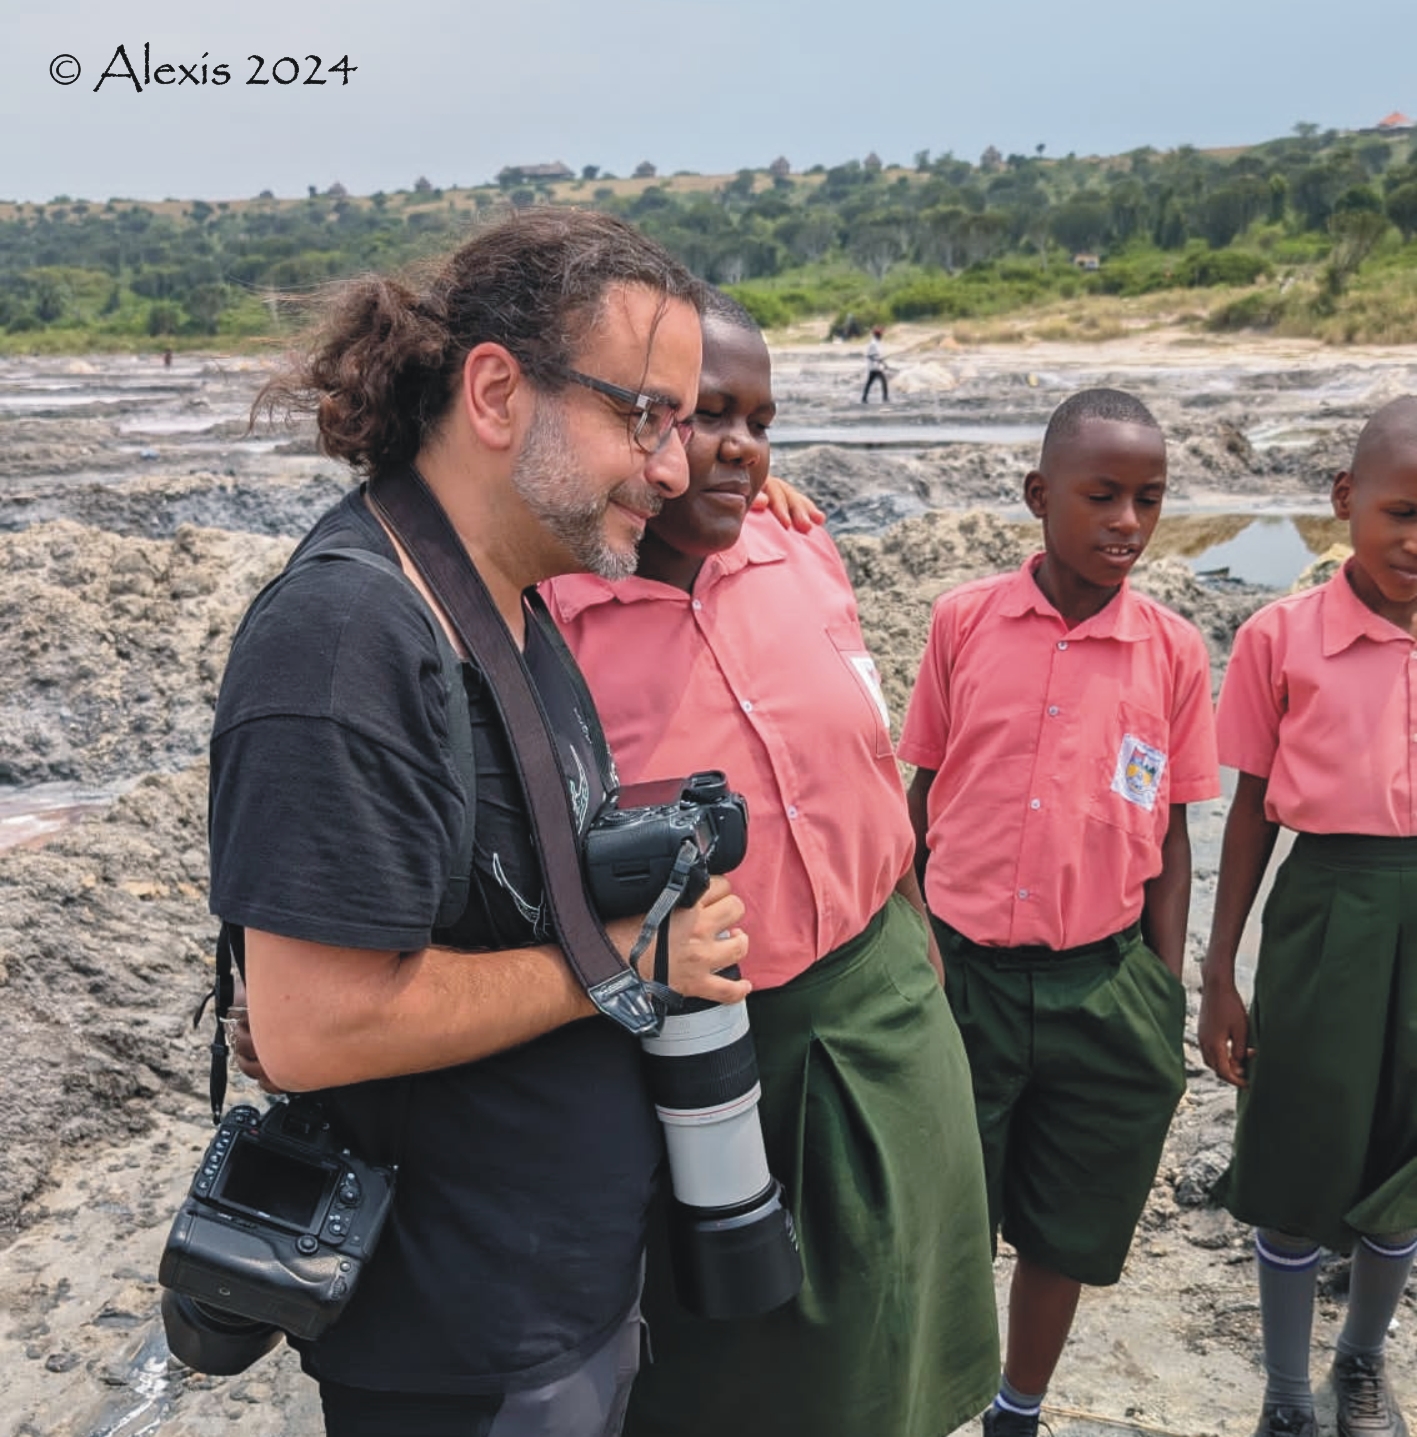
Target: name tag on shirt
{"x": 870, "y": 677}
{"x": 1138, "y": 774}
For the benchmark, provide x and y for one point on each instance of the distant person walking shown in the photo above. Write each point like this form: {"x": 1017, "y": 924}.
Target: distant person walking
{"x": 875, "y": 367}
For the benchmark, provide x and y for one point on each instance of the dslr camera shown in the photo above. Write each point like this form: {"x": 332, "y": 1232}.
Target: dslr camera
{"x": 731, "y": 1238}
{"x": 635, "y": 840}
{"x": 271, "y": 1238}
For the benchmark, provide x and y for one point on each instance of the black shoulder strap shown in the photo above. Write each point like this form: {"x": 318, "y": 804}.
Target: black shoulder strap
{"x": 228, "y": 942}
{"x": 415, "y": 517}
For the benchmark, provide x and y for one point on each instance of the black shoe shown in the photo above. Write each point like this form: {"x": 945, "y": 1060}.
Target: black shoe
{"x": 1365, "y": 1405}
{"x": 1279, "y": 1421}
{"x": 1000, "y": 1422}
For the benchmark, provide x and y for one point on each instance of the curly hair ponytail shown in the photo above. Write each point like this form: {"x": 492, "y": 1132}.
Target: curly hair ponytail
{"x": 379, "y": 369}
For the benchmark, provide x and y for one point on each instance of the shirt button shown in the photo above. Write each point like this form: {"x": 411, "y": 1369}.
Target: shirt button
{"x": 697, "y": 604}
{"x": 747, "y": 706}
{"x": 1062, "y": 643}
{"x": 1052, "y": 710}
{"x": 1023, "y": 893}
{"x": 1035, "y": 803}
{"x": 791, "y": 811}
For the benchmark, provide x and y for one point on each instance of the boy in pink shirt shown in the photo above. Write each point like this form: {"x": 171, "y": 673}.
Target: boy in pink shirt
{"x": 1318, "y": 713}
{"x": 1060, "y": 725}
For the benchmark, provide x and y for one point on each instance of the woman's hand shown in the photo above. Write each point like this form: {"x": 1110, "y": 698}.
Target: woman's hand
{"x": 703, "y": 940}
{"x": 790, "y": 507}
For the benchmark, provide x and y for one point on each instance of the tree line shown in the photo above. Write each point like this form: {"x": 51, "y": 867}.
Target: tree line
{"x": 944, "y": 236}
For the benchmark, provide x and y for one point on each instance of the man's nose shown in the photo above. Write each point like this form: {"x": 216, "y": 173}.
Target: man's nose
{"x": 668, "y": 467}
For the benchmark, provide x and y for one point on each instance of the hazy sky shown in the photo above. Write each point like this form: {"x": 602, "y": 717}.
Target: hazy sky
{"x": 455, "y": 89}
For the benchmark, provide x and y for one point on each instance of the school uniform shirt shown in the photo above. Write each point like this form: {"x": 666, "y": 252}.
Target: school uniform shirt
{"x": 1321, "y": 699}
{"x": 762, "y": 672}
{"x": 1059, "y": 754}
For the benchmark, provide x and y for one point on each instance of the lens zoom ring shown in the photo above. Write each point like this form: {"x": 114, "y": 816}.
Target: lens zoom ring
{"x": 703, "y": 1080}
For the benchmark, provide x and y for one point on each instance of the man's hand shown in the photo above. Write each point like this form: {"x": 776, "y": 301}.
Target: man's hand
{"x": 703, "y": 940}
{"x": 1224, "y": 1031}
{"x": 790, "y": 507}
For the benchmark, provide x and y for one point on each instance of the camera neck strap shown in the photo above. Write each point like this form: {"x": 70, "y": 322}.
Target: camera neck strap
{"x": 403, "y": 501}
{"x": 220, "y": 995}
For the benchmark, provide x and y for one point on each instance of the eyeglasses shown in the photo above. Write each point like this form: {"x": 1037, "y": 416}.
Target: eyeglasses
{"x": 652, "y": 417}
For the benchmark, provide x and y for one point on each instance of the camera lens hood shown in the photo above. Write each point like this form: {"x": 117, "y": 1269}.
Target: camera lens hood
{"x": 210, "y": 1340}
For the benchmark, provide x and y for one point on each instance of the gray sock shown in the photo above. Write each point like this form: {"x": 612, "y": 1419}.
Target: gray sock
{"x": 1381, "y": 1266}
{"x": 1288, "y": 1269}
{"x": 1010, "y": 1399}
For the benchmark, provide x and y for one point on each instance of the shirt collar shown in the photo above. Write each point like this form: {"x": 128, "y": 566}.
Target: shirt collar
{"x": 762, "y": 541}
{"x": 1346, "y": 618}
{"x": 1120, "y": 619}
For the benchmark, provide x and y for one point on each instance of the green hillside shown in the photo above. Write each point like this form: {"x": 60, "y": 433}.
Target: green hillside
{"x": 1309, "y": 234}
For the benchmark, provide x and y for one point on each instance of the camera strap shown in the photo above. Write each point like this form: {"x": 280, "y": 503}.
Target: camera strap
{"x": 405, "y": 503}
{"x": 220, "y": 995}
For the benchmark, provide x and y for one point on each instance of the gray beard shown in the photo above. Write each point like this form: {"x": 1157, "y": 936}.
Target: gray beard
{"x": 553, "y": 488}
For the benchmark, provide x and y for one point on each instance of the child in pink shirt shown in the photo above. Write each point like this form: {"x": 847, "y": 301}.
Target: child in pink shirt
{"x": 735, "y": 646}
{"x": 1318, "y": 713}
{"x": 1060, "y": 725}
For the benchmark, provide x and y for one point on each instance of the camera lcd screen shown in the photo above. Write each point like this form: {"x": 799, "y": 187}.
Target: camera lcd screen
{"x": 281, "y": 1186}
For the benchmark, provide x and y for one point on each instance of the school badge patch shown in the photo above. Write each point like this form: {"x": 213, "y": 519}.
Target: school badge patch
{"x": 1139, "y": 770}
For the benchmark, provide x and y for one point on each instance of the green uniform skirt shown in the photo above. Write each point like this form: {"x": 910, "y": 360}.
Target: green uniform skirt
{"x": 1326, "y": 1137}
{"x": 868, "y": 1121}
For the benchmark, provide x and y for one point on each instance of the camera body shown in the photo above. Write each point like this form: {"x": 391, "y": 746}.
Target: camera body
{"x": 632, "y": 845}
{"x": 275, "y": 1228}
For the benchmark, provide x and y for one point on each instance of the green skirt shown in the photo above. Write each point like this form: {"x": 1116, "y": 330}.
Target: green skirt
{"x": 868, "y": 1120}
{"x": 1326, "y": 1134}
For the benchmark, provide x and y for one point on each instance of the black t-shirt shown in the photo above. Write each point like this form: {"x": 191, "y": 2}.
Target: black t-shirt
{"x": 336, "y": 808}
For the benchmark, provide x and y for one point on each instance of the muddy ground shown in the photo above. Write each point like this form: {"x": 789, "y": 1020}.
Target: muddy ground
{"x": 137, "y": 519}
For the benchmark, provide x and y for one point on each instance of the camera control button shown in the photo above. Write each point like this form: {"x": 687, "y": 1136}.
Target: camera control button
{"x": 349, "y": 1191}
{"x": 307, "y": 1244}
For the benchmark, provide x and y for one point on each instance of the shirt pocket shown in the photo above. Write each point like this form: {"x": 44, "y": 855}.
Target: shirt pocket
{"x": 1131, "y": 782}
{"x": 866, "y": 681}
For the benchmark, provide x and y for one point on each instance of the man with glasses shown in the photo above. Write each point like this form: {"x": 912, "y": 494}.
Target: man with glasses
{"x": 541, "y": 385}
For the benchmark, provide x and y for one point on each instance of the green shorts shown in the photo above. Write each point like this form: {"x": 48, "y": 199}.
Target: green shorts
{"x": 1326, "y": 1138}
{"x": 1077, "y": 1069}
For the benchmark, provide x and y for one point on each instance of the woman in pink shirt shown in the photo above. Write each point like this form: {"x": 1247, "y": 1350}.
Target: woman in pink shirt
{"x": 1318, "y": 714}
{"x": 737, "y": 646}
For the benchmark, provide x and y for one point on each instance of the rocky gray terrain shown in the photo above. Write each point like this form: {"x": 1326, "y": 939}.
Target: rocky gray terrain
{"x": 137, "y": 519}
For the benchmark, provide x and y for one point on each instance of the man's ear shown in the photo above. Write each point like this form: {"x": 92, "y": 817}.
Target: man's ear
{"x": 1342, "y": 495}
{"x": 1035, "y": 493}
{"x": 493, "y": 390}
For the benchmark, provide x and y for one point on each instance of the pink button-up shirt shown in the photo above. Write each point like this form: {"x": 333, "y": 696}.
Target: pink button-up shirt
{"x": 761, "y": 672}
{"x": 1321, "y": 699}
{"x": 1059, "y": 754}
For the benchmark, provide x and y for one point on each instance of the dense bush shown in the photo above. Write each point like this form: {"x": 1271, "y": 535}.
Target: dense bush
{"x": 947, "y": 239}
